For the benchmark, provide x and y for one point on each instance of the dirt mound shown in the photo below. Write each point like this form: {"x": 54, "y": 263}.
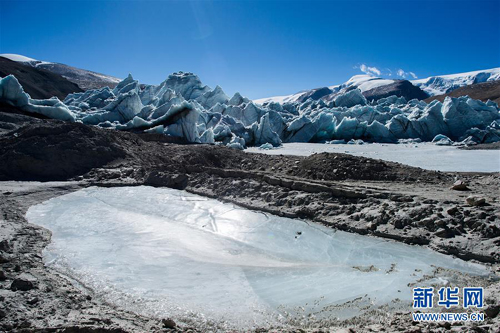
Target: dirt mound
{"x": 332, "y": 166}
{"x": 56, "y": 151}
{"x": 206, "y": 156}
{"x": 339, "y": 166}
{"x": 10, "y": 121}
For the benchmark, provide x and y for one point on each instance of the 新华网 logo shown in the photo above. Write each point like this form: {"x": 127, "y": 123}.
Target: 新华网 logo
{"x": 472, "y": 297}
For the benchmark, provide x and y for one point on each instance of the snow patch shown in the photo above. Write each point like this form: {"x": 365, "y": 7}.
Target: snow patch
{"x": 17, "y": 57}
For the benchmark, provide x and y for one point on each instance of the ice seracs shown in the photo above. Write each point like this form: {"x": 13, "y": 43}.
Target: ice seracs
{"x": 13, "y": 94}
{"x": 187, "y": 85}
{"x": 182, "y": 106}
{"x": 350, "y": 99}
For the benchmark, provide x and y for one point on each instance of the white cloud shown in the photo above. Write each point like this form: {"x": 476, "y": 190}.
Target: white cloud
{"x": 386, "y": 72}
{"x": 370, "y": 70}
{"x": 404, "y": 75}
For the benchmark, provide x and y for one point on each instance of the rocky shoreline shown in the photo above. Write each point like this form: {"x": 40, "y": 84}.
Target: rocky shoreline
{"x": 355, "y": 194}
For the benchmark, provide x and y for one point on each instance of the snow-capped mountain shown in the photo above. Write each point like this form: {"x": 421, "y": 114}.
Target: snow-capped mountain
{"x": 85, "y": 79}
{"x": 23, "y": 59}
{"x": 434, "y": 85}
{"x": 363, "y": 82}
{"x": 442, "y": 84}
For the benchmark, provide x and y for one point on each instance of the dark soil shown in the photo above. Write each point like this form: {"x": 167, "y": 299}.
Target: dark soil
{"x": 56, "y": 151}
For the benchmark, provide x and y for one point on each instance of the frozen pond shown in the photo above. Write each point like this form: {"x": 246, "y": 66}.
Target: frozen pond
{"x": 423, "y": 155}
{"x": 173, "y": 254}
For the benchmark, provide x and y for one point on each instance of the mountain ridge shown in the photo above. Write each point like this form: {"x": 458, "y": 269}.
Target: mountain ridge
{"x": 39, "y": 83}
{"x": 432, "y": 86}
{"x": 85, "y": 79}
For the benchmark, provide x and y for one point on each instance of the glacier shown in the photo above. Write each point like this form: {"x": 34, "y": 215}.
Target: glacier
{"x": 182, "y": 106}
{"x": 165, "y": 252}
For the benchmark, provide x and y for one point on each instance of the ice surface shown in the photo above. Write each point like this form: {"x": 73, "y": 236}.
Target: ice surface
{"x": 422, "y": 155}
{"x": 169, "y": 253}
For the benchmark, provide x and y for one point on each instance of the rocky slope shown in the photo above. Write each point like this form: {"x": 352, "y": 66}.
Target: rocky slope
{"x": 400, "y": 88}
{"x": 38, "y": 82}
{"x": 482, "y": 91}
{"x": 85, "y": 79}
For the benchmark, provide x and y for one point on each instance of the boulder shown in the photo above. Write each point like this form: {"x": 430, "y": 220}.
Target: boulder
{"x": 163, "y": 179}
{"x": 22, "y": 285}
{"x": 460, "y": 185}
{"x": 475, "y": 201}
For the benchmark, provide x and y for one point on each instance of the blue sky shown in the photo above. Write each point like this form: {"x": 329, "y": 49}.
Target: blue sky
{"x": 259, "y": 48}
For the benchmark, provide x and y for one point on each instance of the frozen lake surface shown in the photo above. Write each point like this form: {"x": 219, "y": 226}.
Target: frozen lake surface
{"x": 423, "y": 155}
{"x": 169, "y": 253}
